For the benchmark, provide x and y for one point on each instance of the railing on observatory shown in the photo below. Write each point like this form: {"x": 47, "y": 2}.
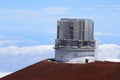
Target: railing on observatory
{"x": 75, "y": 44}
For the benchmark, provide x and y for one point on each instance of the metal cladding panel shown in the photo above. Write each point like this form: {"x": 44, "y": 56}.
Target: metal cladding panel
{"x": 81, "y": 30}
{"x": 76, "y": 30}
{"x": 60, "y": 29}
{"x": 66, "y": 55}
{"x": 86, "y": 31}
{"x": 64, "y": 30}
{"x": 75, "y": 33}
{"x": 82, "y": 60}
{"x": 74, "y": 40}
{"x": 90, "y": 32}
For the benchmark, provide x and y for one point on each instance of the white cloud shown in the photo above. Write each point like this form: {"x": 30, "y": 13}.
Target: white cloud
{"x": 48, "y": 10}
{"x": 40, "y": 15}
{"x": 27, "y": 50}
{"x": 14, "y": 40}
{"x": 2, "y": 74}
{"x": 24, "y": 56}
{"x": 108, "y": 51}
{"x": 113, "y": 60}
{"x": 105, "y": 34}
{"x": 14, "y": 11}
{"x": 105, "y": 51}
{"x": 103, "y": 11}
{"x": 21, "y": 15}
{"x": 55, "y": 10}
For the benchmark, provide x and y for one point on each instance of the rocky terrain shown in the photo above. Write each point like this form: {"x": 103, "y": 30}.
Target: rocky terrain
{"x": 50, "y": 70}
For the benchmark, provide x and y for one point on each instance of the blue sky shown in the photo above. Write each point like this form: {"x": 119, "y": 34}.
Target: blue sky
{"x": 36, "y": 20}
{"x": 27, "y": 27}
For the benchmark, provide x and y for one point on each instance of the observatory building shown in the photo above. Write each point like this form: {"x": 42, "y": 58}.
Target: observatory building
{"x": 75, "y": 41}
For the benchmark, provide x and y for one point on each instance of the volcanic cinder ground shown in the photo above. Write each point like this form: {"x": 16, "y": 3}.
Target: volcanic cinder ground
{"x": 50, "y": 70}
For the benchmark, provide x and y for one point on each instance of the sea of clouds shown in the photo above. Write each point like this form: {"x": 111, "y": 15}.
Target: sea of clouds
{"x": 14, "y": 58}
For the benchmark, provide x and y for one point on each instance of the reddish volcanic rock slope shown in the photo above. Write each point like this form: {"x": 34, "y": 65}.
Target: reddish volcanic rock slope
{"x": 46, "y": 70}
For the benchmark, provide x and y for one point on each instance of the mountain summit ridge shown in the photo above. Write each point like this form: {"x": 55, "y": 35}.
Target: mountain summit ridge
{"x": 51, "y": 70}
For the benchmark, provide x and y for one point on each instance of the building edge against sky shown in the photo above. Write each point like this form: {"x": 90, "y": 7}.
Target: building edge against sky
{"x": 75, "y": 41}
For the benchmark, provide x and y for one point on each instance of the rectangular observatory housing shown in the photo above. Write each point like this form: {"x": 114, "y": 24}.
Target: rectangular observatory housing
{"x": 75, "y": 40}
